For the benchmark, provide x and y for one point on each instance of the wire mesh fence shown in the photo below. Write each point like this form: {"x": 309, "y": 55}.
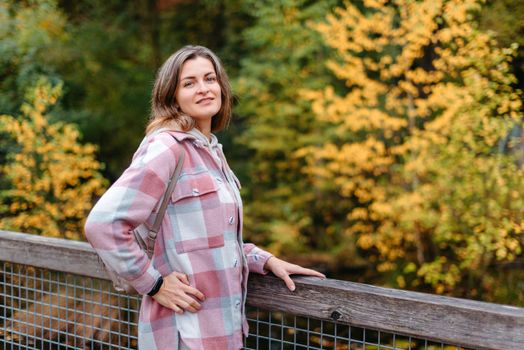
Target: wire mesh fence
{"x": 42, "y": 309}
{"x": 277, "y": 330}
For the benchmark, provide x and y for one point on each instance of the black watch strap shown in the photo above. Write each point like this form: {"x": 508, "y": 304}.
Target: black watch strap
{"x": 157, "y": 286}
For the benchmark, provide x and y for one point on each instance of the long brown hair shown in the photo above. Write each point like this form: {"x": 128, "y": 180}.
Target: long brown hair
{"x": 165, "y": 112}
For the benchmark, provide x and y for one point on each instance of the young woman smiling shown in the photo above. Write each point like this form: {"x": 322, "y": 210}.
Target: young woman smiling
{"x": 194, "y": 287}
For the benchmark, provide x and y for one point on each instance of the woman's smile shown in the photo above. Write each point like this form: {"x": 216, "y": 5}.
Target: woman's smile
{"x": 205, "y": 101}
{"x": 198, "y": 93}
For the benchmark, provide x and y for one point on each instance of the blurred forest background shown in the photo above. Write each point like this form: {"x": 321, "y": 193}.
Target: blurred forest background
{"x": 381, "y": 141}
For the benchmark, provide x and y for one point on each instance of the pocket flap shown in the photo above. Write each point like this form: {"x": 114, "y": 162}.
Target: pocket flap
{"x": 193, "y": 185}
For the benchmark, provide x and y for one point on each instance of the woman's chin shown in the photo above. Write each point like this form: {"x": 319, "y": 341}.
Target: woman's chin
{"x": 205, "y": 114}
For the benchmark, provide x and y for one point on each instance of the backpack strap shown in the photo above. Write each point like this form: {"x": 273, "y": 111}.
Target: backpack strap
{"x": 165, "y": 199}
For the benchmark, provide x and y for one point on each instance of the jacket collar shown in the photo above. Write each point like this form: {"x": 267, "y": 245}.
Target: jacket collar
{"x": 199, "y": 139}
{"x": 180, "y": 135}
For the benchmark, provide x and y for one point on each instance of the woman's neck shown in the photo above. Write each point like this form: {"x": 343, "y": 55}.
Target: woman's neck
{"x": 205, "y": 130}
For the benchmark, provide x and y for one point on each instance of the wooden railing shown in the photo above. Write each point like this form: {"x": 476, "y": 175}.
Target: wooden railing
{"x": 464, "y": 323}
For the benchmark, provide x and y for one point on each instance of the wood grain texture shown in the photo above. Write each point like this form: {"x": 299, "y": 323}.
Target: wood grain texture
{"x": 51, "y": 253}
{"x": 455, "y": 321}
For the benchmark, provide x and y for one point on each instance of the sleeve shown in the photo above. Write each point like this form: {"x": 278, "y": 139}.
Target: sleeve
{"x": 256, "y": 258}
{"x": 129, "y": 203}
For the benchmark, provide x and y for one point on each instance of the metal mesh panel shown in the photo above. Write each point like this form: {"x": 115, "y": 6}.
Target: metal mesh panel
{"x": 41, "y": 309}
{"x": 277, "y": 330}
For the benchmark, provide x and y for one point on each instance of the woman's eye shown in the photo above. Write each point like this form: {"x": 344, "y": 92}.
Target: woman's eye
{"x": 212, "y": 79}
{"x": 187, "y": 84}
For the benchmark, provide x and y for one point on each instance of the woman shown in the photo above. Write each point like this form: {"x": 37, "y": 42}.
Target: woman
{"x": 194, "y": 286}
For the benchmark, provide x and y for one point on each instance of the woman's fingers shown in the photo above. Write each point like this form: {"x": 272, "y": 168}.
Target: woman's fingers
{"x": 315, "y": 273}
{"x": 183, "y": 303}
{"x": 289, "y": 282}
{"x": 176, "y": 309}
{"x": 188, "y": 289}
{"x": 296, "y": 269}
{"x": 178, "y": 295}
{"x": 189, "y": 304}
{"x": 181, "y": 277}
{"x": 193, "y": 291}
{"x": 188, "y": 298}
{"x": 283, "y": 274}
{"x": 283, "y": 269}
{"x": 307, "y": 272}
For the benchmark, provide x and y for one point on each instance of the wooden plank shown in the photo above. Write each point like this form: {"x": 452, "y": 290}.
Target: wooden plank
{"x": 453, "y": 321}
{"x": 51, "y": 253}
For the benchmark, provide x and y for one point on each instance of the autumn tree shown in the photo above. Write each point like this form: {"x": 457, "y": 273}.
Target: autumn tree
{"x": 283, "y": 57}
{"x": 420, "y": 142}
{"x": 48, "y": 180}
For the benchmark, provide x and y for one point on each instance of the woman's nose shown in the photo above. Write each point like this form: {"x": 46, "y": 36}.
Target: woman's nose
{"x": 202, "y": 87}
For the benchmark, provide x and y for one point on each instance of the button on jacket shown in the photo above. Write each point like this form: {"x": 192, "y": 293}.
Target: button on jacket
{"x": 200, "y": 235}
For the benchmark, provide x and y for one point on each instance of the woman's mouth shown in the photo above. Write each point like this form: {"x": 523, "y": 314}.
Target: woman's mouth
{"x": 205, "y": 100}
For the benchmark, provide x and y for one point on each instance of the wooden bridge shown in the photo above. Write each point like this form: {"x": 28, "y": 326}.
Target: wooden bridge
{"x": 54, "y": 294}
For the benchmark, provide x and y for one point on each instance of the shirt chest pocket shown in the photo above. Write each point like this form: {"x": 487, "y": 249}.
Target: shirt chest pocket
{"x": 196, "y": 213}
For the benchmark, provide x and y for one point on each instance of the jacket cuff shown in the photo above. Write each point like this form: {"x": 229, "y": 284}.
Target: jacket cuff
{"x": 145, "y": 283}
{"x": 257, "y": 259}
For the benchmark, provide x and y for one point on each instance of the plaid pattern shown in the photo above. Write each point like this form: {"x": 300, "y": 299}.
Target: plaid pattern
{"x": 201, "y": 236}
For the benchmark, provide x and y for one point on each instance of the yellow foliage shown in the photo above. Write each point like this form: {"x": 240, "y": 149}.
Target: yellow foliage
{"x": 420, "y": 138}
{"x": 49, "y": 179}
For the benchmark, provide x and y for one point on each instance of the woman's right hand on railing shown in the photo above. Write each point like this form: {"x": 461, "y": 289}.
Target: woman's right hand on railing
{"x": 177, "y": 295}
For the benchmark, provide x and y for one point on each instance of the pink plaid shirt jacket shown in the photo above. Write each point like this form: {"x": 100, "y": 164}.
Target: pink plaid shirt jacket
{"x": 200, "y": 235}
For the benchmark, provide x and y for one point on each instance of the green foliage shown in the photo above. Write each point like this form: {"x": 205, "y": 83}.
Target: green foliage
{"x": 283, "y": 212}
{"x": 117, "y": 47}
{"x": 32, "y": 42}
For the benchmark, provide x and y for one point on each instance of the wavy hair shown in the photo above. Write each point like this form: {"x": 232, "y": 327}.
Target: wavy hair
{"x": 165, "y": 112}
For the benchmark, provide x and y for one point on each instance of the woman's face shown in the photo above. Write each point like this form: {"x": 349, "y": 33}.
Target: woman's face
{"x": 198, "y": 92}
